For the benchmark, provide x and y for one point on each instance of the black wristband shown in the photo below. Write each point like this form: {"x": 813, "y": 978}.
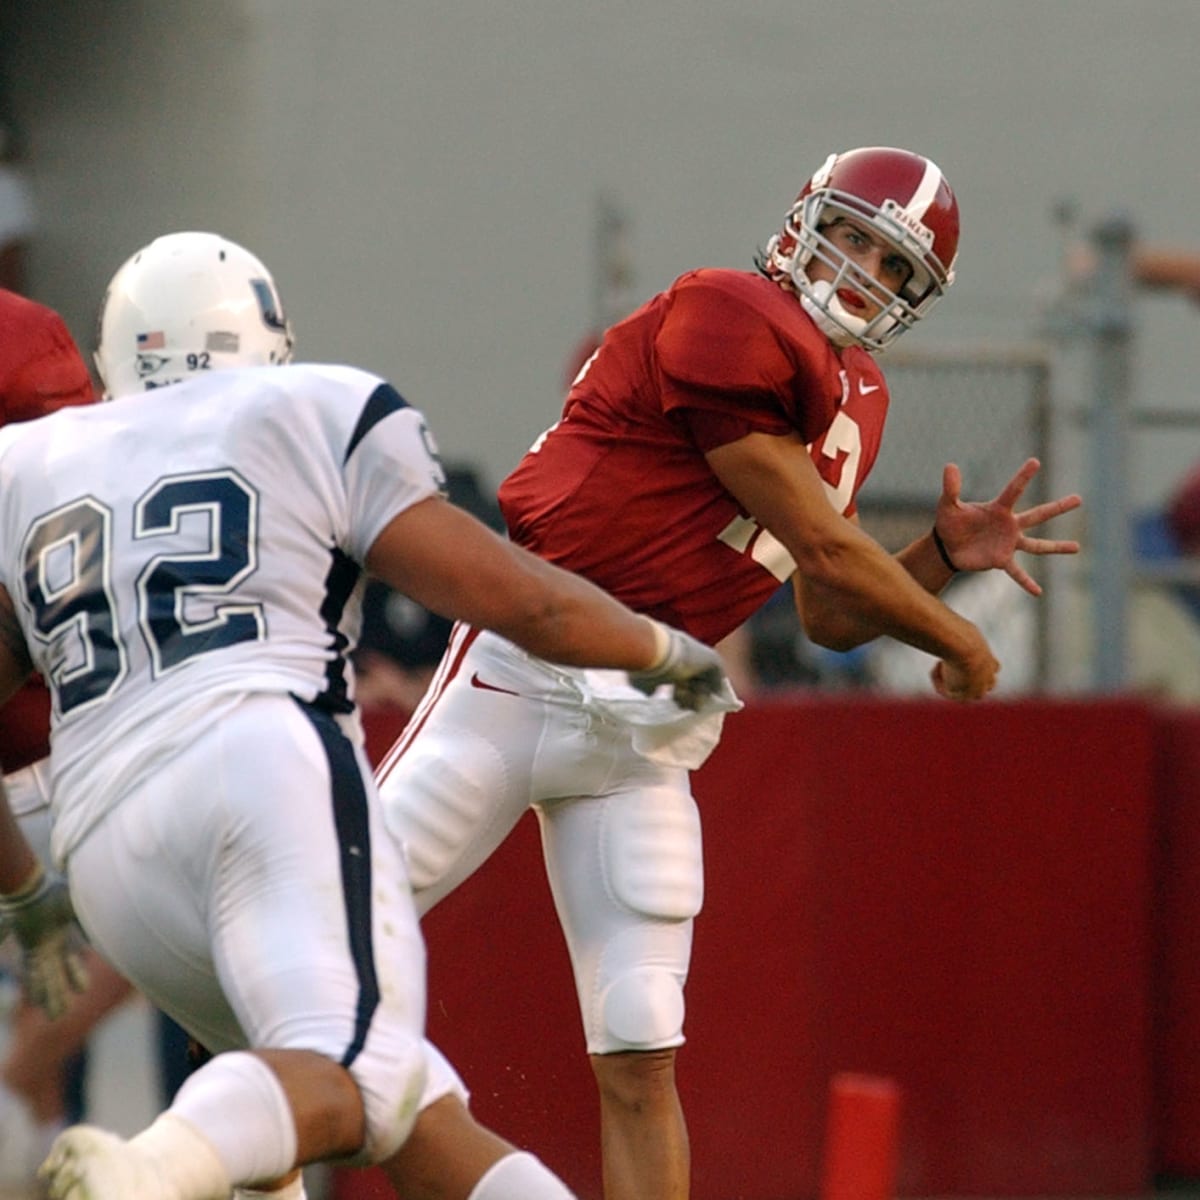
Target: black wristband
{"x": 941, "y": 549}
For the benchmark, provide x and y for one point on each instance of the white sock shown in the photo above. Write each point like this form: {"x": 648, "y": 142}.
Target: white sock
{"x": 185, "y": 1157}
{"x": 520, "y": 1176}
{"x": 239, "y": 1105}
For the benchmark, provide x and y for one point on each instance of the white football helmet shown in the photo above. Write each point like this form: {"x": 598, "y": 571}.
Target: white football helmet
{"x": 901, "y": 196}
{"x": 188, "y": 302}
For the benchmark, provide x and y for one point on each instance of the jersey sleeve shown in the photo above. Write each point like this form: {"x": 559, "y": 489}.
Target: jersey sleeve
{"x": 41, "y": 370}
{"x": 730, "y": 367}
{"x": 391, "y": 464}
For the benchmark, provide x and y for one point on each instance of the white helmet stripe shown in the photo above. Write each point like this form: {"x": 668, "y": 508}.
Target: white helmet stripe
{"x": 926, "y": 190}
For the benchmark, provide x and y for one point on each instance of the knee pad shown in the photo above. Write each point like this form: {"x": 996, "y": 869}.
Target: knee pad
{"x": 654, "y": 853}
{"x": 643, "y": 1009}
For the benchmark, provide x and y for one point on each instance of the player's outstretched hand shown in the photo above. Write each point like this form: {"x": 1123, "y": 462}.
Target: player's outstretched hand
{"x": 693, "y": 669}
{"x": 978, "y": 537}
{"x": 41, "y": 917}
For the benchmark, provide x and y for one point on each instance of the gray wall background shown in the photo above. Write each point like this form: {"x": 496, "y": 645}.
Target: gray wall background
{"x": 422, "y": 176}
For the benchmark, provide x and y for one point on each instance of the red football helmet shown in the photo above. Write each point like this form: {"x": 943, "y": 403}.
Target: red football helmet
{"x": 906, "y": 200}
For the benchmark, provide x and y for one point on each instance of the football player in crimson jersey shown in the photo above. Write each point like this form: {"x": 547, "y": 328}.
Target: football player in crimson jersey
{"x": 41, "y": 371}
{"x": 711, "y": 447}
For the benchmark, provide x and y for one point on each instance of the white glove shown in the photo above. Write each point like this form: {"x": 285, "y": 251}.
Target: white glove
{"x": 41, "y": 916}
{"x": 693, "y": 669}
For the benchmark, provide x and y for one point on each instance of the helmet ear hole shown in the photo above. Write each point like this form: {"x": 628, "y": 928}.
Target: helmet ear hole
{"x": 185, "y": 303}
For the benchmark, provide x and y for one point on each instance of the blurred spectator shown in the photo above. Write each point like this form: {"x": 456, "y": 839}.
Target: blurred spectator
{"x": 1006, "y": 615}
{"x": 1183, "y": 513}
{"x": 1164, "y": 619}
{"x": 1177, "y": 531}
{"x": 17, "y": 215}
{"x": 401, "y": 642}
{"x": 1158, "y": 267}
{"x": 770, "y": 653}
{"x": 1152, "y": 267}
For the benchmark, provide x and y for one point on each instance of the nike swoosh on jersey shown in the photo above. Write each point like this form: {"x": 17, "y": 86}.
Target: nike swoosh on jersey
{"x": 476, "y": 682}
{"x": 865, "y": 389}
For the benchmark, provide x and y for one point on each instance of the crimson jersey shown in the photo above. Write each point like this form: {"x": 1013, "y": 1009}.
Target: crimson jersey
{"x": 619, "y": 490}
{"x": 41, "y": 371}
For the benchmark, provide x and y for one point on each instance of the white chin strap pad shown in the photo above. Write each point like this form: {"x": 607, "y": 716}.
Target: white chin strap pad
{"x": 838, "y": 325}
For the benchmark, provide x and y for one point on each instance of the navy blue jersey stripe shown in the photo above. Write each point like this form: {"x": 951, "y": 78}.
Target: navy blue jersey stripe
{"x": 354, "y": 846}
{"x": 382, "y": 402}
{"x": 340, "y": 582}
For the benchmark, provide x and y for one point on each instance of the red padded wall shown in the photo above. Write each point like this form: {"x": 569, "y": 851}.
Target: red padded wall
{"x": 1177, "y": 1108}
{"x": 956, "y": 898}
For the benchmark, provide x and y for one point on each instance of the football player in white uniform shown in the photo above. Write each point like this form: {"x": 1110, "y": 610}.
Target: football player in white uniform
{"x": 184, "y": 566}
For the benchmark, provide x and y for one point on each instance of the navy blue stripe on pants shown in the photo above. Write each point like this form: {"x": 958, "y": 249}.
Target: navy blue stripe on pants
{"x": 350, "y": 817}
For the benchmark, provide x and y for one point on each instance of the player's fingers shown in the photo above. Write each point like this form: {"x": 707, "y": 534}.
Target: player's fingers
{"x": 1042, "y": 546}
{"x": 1023, "y": 579}
{"x": 1014, "y": 488}
{"x": 951, "y": 483}
{"x": 1051, "y": 508}
{"x": 46, "y": 990}
{"x": 951, "y": 685}
{"x": 937, "y": 676}
{"x": 77, "y": 972}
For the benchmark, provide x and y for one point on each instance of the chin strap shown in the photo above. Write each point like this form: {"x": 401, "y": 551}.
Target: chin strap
{"x": 830, "y": 314}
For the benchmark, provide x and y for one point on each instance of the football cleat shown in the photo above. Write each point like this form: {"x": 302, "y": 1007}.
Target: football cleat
{"x": 86, "y": 1163}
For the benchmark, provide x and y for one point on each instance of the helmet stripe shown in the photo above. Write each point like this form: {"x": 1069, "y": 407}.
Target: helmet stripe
{"x": 927, "y": 189}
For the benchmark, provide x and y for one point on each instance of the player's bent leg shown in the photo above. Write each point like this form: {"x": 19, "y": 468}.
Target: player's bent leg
{"x": 290, "y": 1187}
{"x": 292, "y": 1107}
{"x": 643, "y": 1134}
{"x": 312, "y": 953}
{"x": 87, "y": 1163}
{"x": 450, "y": 1156}
{"x": 266, "y": 1112}
{"x": 445, "y": 801}
{"x": 460, "y": 777}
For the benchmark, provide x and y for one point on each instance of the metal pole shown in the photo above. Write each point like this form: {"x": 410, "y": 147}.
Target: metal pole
{"x": 1110, "y": 327}
{"x": 613, "y": 269}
